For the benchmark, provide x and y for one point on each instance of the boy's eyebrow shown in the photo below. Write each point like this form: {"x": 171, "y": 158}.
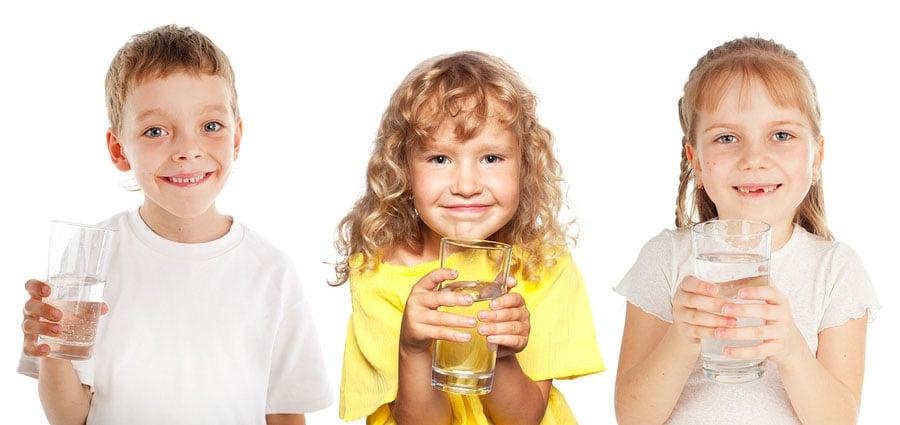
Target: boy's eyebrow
{"x": 161, "y": 111}
{"x": 771, "y": 124}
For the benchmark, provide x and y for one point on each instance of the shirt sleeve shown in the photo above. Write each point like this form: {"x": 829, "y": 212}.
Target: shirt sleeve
{"x": 648, "y": 284}
{"x": 563, "y": 342}
{"x": 852, "y": 294}
{"x": 298, "y": 382}
{"x": 370, "y": 370}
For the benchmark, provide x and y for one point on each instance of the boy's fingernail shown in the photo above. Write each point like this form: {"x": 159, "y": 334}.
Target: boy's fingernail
{"x": 464, "y": 336}
{"x": 466, "y": 299}
{"x": 56, "y": 314}
{"x": 727, "y": 309}
{"x": 482, "y": 315}
{"x": 55, "y": 329}
{"x": 44, "y": 349}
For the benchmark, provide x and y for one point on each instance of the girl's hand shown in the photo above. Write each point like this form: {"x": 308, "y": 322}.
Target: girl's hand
{"x": 507, "y": 323}
{"x": 695, "y": 310}
{"x": 781, "y": 337}
{"x": 423, "y": 323}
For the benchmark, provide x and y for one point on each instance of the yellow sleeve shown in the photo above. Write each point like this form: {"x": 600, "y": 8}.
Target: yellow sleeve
{"x": 369, "y": 374}
{"x": 563, "y": 342}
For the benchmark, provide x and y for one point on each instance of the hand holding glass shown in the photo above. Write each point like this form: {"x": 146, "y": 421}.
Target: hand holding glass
{"x": 76, "y": 273}
{"x": 483, "y": 267}
{"x": 733, "y": 254}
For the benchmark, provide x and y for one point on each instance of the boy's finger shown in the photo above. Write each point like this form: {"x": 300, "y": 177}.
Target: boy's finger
{"x": 37, "y": 289}
{"x": 37, "y": 308}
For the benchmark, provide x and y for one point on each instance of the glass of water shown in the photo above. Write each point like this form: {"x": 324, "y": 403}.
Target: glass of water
{"x": 733, "y": 254}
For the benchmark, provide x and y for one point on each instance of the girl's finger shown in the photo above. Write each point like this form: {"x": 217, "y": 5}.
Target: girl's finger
{"x": 505, "y": 328}
{"x": 430, "y": 281}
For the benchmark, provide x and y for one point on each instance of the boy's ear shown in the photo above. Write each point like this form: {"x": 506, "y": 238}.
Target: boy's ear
{"x": 238, "y": 134}
{"x": 116, "y": 151}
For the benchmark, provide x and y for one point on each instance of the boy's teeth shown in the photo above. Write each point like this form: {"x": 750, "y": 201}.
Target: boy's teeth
{"x": 190, "y": 180}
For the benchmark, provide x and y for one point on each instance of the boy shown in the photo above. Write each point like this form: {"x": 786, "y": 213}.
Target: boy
{"x": 207, "y": 321}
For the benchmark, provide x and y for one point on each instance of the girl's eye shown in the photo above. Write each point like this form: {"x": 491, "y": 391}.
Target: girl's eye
{"x": 728, "y": 138}
{"x": 212, "y": 126}
{"x": 782, "y": 136}
{"x": 490, "y": 159}
{"x": 155, "y": 132}
{"x": 439, "y": 159}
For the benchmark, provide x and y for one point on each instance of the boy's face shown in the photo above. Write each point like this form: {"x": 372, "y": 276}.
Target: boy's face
{"x": 179, "y": 136}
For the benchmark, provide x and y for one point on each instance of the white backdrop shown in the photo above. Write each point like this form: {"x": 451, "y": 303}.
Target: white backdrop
{"x": 314, "y": 80}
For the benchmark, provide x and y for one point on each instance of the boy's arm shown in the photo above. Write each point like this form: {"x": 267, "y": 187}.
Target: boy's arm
{"x": 64, "y": 398}
{"x": 286, "y": 419}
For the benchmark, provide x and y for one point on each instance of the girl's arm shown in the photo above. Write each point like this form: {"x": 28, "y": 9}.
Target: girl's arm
{"x": 656, "y": 357}
{"x": 417, "y": 402}
{"x": 837, "y": 368}
{"x": 515, "y": 398}
{"x": 64, "y": 398}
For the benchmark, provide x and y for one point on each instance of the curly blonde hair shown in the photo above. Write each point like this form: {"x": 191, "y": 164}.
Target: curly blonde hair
{"x": 461, "y": 87}
{"x": 788, "y": 83}
{"x": 157, "y": 53}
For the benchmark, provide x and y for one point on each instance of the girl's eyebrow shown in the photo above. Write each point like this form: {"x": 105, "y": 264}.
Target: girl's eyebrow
{"x": 730, "y": 126}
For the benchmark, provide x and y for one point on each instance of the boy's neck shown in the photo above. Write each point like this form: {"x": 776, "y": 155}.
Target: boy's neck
{"x": 205, "y": 228}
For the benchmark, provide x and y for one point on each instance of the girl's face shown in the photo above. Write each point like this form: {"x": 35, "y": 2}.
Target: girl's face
{"x": 755, "y": 159}
{"x": 466, "y": 188}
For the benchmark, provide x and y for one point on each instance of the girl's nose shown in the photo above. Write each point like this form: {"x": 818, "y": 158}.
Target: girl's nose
{"x": 467, "y": 181}
{"x": 754, "y": 156}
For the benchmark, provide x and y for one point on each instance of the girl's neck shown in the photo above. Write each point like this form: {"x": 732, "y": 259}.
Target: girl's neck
{"x": 205, "y": 228}
{"x": 410, "y": 257}
{"x": 781, "y": 235}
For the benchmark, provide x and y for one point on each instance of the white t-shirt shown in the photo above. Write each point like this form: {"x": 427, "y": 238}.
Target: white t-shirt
{"x": 825, "y": 282}
{"x": 208, "y": 333}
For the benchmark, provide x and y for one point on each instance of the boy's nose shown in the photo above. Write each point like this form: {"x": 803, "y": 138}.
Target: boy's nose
{"x": 186, "y": 147}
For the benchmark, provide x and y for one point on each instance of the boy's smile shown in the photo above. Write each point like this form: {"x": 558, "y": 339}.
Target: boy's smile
{"x": 179, "y": 137}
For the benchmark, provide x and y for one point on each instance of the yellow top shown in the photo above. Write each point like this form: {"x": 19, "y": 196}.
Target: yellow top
{"x": 562, "y": 343}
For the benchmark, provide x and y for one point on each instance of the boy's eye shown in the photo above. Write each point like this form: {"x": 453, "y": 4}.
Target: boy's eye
{"x": 490, "y": 159}
{"x": 155, "y": 132}
{"x": 212, "y": 126}
{"x": 728, "y": 138}
{"x": 782, "y": 136}
{"x": 439, "y": 159}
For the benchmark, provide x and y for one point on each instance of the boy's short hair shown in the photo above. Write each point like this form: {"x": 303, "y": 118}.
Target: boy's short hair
{"x": 158, "y": 53}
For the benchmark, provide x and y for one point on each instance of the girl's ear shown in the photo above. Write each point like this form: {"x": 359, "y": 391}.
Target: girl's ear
{"x": 694, "y": 160}
{"x": 818, "y": 155}
{"x": 116, "y": 151}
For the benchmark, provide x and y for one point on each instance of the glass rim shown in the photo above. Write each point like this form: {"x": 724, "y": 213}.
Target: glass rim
{"x": 84, "y": 226}
{"x": 698, "y": 228}
{"x": 476, "y": 243}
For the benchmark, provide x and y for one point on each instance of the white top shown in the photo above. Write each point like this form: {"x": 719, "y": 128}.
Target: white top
{"x": 825, "y": 282}
{"x": 208, "y": 333}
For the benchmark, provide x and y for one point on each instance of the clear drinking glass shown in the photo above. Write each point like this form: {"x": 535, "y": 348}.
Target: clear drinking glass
{"x": 76, "y": 273}
{"x": 483, "y": 266}
{"x": 733, "y": 254}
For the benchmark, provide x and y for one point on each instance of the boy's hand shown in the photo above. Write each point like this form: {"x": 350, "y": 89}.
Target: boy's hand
{"x": 696, "y": 310}
{"x": 34, "y": 310}
{"x": 507, "y": 323}
{"x": 423, "y": 323}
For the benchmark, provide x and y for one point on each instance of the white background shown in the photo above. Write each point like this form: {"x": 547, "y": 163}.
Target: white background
{"x": 313, "y": 82}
